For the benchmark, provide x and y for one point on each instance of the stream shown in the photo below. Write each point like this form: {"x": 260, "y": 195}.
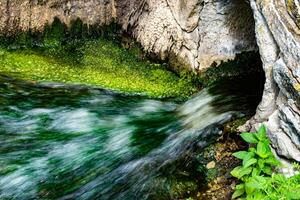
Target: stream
{"x": 77, "y": 142}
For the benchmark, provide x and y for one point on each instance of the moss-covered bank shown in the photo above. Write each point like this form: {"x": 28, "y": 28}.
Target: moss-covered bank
{"x": 99, "y": 63}
{"x": 98, "y": 56}
{"x": 104, "y": 57}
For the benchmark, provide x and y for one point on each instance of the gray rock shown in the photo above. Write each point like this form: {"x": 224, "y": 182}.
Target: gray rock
{"x": 277, "y": 36}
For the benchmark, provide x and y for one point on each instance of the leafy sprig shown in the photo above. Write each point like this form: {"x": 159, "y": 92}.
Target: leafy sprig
{"x": 258, "y": 166}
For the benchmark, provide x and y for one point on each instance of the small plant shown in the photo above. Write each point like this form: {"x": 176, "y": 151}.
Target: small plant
{"x": 257, "y": 162}
{"x": 257, "y": 173}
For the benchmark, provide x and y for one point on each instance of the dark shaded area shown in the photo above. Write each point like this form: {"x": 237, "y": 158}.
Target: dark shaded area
{"x": 244, "y": 87}
{"x": 58, "y": 34}
{"x": 245, "y": 64}
{"x": 243, "y": 90}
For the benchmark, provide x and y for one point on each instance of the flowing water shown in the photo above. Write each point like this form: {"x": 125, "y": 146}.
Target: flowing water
{"x": 74, "y": 142}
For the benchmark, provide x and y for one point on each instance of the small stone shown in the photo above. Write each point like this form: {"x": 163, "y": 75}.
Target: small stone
{"x": 211, "y": 165}
{"x": 221, "y": 180}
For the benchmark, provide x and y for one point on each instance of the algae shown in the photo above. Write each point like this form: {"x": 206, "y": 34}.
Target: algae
{"x": 89, "y": 55}
{"x": 98, "y": 63}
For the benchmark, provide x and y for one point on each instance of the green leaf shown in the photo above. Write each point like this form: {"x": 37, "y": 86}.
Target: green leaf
{"x": 261, "y": 181}
{"x": 295, "y": 194}
{"x": 255, "y": 183}
{"x": 249, "y": 162}
{"x": 258, "y": 195}
{"x": 239, "y": 172}
{"x": 251, "y": 149}
{"x": 262, "y": 133}
{"x": 248, "y": 156}
{"x": 236, "y": 172}
{"x": 240, "y": 186}
{"x": 256, "y": 172}
{"x": 240, "y": 154}
{"x": 272, "y": 161}
{"x": 261, "y": 163}
{"x": 249, "y": 137}
{"x": 279, "y": 178}
{"x": 296, "y": 166}
{"x": 250, "y": 187}
{"x": 238, "y": 193}
{"x": 267, "y": 170}
{"x": 245, "y": 171}
{"x": 263, "y": 149}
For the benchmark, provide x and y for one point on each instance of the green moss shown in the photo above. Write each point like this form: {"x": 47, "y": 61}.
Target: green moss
{"x": 212, "y": 174}
{"x": 93, "y": 55}
{"x": 53, "y": 35}
{"x": 232, "y": 126}
{"x": 95, "y": 62}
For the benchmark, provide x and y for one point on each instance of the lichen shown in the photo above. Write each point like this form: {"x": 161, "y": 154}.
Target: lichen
{"x": 297, "y": 87}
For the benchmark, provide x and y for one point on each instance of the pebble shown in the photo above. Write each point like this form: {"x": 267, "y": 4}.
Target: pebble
{"x": 211, "y": 165}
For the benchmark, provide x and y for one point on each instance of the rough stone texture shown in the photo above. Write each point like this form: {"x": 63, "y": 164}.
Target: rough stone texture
{"x": 16, "y": 15}
{"x": 191, "y": 34}
{"x": 277, "y": 33}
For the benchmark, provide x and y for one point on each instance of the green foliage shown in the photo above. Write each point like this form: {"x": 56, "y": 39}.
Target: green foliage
{"x": 96, "y": 62}
{"x": 257, "y": 173}
{"x": 249, "y": 137}
{"x": 88, "y": 55}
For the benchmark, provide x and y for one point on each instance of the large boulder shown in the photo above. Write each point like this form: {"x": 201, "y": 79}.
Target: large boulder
{"x": 278, "y": 38}
{"x": 192, "y": 34}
